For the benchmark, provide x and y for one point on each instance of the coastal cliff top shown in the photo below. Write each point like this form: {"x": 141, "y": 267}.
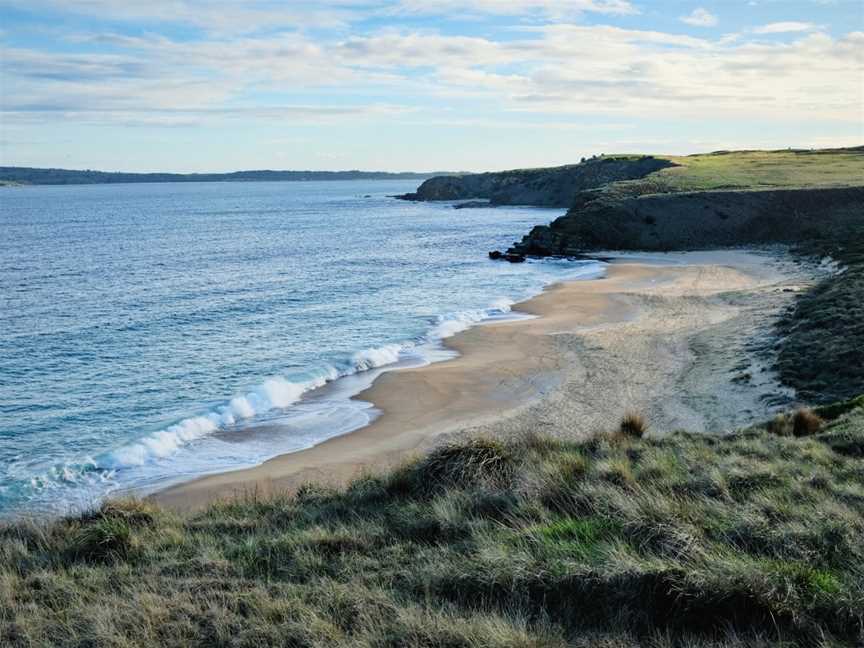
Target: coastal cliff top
{"x": 743, "y": 170}
{"x": 639, "y": 174}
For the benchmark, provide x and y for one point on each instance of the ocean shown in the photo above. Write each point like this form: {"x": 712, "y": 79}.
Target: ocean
{"x": 152, "y": 333}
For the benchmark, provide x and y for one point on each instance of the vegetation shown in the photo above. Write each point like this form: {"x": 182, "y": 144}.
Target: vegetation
{"x": 634, "y": 424}
{"x": 821, "y": 350}
{"x": 684, "y": 540}
{"x": 752, "y": 170}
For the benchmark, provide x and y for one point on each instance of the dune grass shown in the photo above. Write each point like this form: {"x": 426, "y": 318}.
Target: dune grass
{"x": 685, "y": 540}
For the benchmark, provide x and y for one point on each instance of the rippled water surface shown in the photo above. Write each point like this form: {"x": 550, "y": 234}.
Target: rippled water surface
{"x": 151, "y": 333}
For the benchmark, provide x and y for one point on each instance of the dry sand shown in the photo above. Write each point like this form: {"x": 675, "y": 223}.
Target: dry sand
{"x": 668, "y": 336}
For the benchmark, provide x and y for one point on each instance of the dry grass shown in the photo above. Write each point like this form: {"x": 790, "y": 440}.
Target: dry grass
{"x": 633, "y": 425}
{"x": 806, "y": 422}
{"x": 682, "y": 540}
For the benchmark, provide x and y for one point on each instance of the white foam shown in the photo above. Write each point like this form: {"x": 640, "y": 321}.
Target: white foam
{"x": 274, "y": 393}
{"x": 450, "y": 325}
{"x": 278, "y": 392}
{"x": 380, "y": 357}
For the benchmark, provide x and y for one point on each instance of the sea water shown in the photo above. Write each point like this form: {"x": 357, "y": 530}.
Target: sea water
{"x": 152, "y": 333}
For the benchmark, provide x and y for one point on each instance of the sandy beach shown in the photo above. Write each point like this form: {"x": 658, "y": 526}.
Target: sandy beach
{"x": 674, "y": 337}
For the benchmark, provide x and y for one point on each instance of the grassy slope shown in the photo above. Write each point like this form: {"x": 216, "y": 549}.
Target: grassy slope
{"x": 821, "y": 349}
{"x": 689, "y": 540}
{"x": 754, "y": 170}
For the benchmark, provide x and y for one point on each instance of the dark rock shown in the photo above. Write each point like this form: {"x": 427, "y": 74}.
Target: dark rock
{"x": 675, "y": 221}
{"x": 512, "y": 257}
{"x": 473, "y": 204}
{"x": 551, "y": 187}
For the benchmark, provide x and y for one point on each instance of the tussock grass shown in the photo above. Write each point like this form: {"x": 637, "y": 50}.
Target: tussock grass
{"x": 634, "y": 425}
{"x": 806, "y": 422}
{"x": 681, "y": 540}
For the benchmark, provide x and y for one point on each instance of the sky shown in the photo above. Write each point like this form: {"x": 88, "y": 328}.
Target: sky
{"x": 421, "y": 85}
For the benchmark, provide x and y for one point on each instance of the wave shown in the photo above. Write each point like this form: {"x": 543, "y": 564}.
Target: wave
{"x": 278, "y": 392}
{"x": 449, "y": 325}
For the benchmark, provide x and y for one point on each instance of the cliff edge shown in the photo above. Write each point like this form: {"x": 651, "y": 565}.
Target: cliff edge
{"x": 551, "y": 187}
{"x": 699, "y": 220}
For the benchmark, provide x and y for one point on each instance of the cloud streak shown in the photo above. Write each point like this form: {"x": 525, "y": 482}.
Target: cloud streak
{"x": 700, "y": 18}
{"x": 785, "y": 27}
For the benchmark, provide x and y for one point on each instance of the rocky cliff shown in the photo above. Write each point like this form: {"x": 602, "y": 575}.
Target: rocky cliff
{"x": 551, "y": 187}
{"x": 706, "y": 219}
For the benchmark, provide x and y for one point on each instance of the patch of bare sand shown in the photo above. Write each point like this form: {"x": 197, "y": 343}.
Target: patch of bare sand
{"x": 664, "y": 335}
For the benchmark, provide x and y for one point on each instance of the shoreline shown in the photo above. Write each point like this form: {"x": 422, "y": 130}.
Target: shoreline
{"x": 578, "y": 360}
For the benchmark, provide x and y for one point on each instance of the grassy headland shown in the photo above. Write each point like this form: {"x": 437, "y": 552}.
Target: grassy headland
{"x": 758, "y": 170}
{"x": 622, "y": 176}
{"x": 810, "y": 201}
{"x": 677, "y": 540}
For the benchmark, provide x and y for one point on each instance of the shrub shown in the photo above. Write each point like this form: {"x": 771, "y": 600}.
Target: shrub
{"x": 106, "y": 533}
{"x": 805, "y": 422}
{"x": 135, "y": 512}
{"x": 480, "y": 461}
{"x": 633, "y": 425}
{"x": 780, "y": 425}
{"x": 103, "y": 539}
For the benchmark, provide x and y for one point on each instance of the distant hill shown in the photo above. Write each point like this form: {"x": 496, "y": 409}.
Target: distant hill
{"x": 622, "y": 176}
{"x": 710, "y": 201}
{"x": 544, "y": 187}
{"x": 27, "y": 175}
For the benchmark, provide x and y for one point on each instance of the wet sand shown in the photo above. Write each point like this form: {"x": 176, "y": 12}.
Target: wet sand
{"x": 663, "y": 335}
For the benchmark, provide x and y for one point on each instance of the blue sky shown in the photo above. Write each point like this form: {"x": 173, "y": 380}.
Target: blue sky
{"x": 213, "y": 85}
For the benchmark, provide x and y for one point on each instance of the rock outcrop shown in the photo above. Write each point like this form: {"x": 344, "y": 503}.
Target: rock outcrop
{"x": 602, "y": 220}
{"x": 551, "y": 187}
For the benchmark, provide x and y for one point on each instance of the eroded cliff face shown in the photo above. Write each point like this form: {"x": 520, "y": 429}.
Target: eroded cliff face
{"x": 707, "y": 219}
{"x": 553, "y": 187}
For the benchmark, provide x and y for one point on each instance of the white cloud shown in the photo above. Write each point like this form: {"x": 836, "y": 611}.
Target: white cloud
{"x": 784, "y": 27}
{"x": 552, "y": 69}
{"x": 250, "y": 16}
{"x": 700, "y": 18}
{"x": 516, "y": 7}
{"x": 224, "y": 16}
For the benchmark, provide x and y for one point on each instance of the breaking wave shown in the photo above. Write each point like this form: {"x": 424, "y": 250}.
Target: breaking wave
{"x": 278, "y": 392}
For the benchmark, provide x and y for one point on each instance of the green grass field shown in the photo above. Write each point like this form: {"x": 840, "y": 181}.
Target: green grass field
{"x": 686, "y": 540}
{"x": 752, "y": 170}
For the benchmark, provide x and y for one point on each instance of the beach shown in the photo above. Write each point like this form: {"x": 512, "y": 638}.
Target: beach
{"x": 674, "y": 337}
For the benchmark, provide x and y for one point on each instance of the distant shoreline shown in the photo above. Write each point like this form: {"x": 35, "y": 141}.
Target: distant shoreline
{"x": 31, "y": 176}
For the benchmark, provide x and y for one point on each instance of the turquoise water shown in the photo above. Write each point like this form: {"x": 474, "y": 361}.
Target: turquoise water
{"x": 153, "y": 333}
